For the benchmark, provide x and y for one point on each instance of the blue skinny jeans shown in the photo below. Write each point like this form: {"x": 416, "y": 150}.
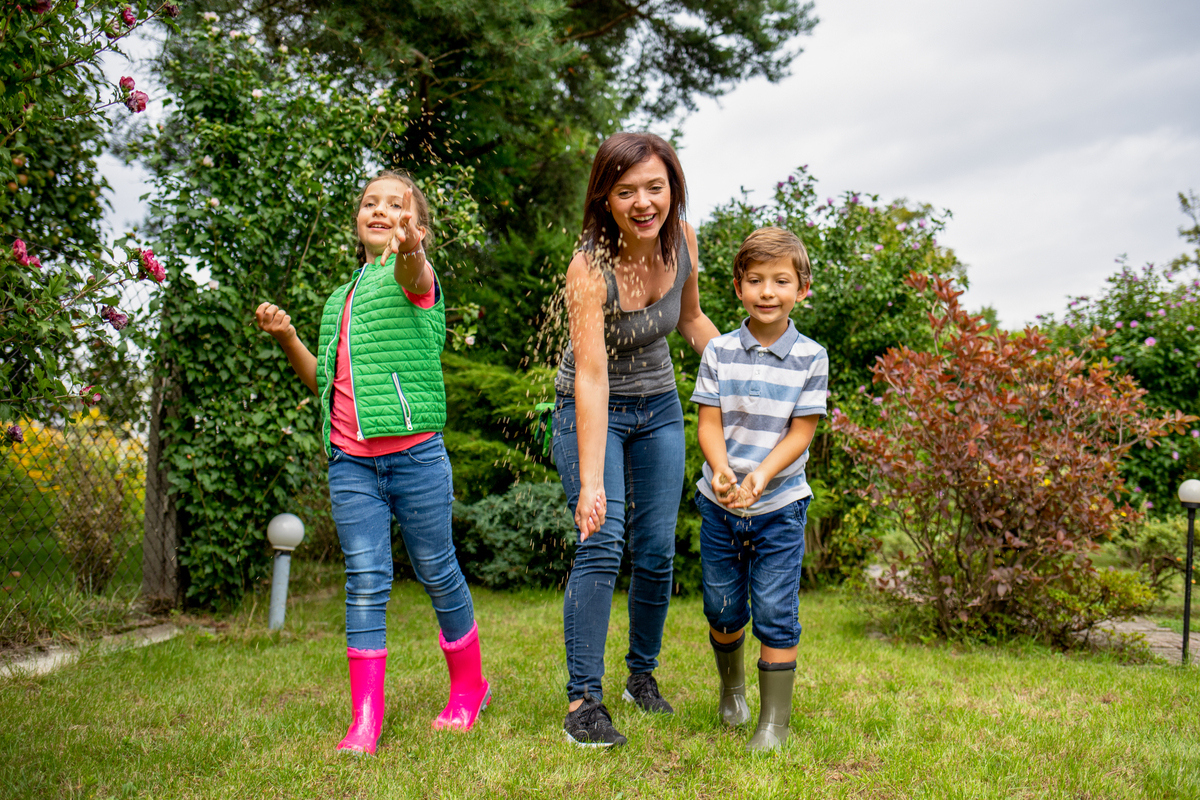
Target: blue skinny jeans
{"x": 416, "y": 485}
{"x": 643, "y": 479}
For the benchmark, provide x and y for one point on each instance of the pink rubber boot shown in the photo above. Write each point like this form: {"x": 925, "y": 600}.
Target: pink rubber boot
{"x": 367, "y": 668}
{"x": 469, "y": 692}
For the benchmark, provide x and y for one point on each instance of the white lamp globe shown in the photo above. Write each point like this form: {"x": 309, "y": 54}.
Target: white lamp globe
{"x": 286, "y": 531}
{"x": 1189, "y": 492}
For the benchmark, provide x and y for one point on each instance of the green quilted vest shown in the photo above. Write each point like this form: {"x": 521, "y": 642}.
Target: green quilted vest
{"x": 395, "y": 348}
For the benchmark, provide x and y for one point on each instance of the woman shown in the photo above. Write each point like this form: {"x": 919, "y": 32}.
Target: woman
{"x": 618, "y": 424}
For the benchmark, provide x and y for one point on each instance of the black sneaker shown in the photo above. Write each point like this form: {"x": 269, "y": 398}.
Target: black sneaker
{"x": 591, "y": 726}
{"x": 642, "y": 690}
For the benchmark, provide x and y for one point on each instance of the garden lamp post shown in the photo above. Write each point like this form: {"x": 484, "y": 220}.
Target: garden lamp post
{"x": 1189, "y": 495}
{"x": 284, "y": 532}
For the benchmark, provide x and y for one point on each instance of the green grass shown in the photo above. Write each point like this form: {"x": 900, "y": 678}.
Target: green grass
{"x": 244, "y": 713}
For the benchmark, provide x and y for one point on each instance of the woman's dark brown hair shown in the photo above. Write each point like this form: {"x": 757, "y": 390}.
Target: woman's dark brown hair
{"x": 614, "y": 158}
{"x": 420, "y": 206}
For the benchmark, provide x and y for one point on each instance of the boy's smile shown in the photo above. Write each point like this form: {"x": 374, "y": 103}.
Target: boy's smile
{"x": 768, "y": 291}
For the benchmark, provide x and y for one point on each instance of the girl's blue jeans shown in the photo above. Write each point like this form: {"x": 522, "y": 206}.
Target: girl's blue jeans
{"x": 643, "y": 479}
{"x": 417, "y": 486}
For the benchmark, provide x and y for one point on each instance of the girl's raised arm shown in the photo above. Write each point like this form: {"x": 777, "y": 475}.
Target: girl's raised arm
{"x": 275, "y": 321}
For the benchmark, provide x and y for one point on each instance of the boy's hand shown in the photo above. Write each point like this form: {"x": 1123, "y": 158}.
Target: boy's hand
{"x": 751, "y": 489}
{"x": 724, "y": 485}
{"x": 275, "y": 321}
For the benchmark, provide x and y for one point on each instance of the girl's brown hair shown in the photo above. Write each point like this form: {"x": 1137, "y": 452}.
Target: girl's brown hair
{"x": 420, "y": 206}
{"x": 614, "y": 158}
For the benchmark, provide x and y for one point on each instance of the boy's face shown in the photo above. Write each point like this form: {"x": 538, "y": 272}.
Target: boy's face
{"x": 769, "y": 289}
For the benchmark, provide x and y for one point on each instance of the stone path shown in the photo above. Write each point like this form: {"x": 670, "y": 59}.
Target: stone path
{"x": 1163, "y": 642}
{"x": 50, "y": 659}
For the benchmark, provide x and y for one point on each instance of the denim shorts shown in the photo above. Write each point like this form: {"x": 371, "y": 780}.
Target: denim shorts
{"x": 753, "y": 564}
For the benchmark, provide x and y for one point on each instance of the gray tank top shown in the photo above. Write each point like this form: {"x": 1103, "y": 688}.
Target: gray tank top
{"x": 639, "y": 361}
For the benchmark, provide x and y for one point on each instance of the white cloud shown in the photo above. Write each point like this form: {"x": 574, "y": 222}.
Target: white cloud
{"x": 1057, "y": 132}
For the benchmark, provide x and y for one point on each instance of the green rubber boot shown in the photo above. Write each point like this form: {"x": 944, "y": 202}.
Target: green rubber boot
{"x": 731, "y": 669}
{"x": 775, "y": 683}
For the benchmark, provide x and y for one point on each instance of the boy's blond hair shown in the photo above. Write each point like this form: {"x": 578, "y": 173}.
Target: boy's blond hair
{"x": 769, "y": 244}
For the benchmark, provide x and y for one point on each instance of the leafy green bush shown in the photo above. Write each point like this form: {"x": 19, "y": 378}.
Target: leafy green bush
{"x": 525, "y": 537}
{"x": 861, "y": 252}
{"x": 256, "y": 172}
{"x": 1154, "y": 547}
{"x": 1151, "y": 320}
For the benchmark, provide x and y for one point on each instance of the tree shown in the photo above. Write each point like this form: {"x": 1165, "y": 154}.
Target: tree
{"x": 523, "y": 92}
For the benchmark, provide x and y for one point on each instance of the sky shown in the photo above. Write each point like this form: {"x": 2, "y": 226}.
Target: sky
{"x": 1057, "y": 132}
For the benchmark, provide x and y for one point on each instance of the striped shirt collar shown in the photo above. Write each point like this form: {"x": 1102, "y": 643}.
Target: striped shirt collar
{"x": 780, "y": 347}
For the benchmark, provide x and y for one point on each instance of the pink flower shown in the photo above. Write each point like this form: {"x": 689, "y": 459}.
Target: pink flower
{"x": 1175, "y": 455}
{"x": 150, "y": 265}
{"x": 1120, "y": 324}
{"x": 902, "y": 226}
{"x": 126, "y": 84}
{"x": 114, "y": 317}
{"x": 1149, "y": 313}
{"x": 1162, "y": 312}
{"x": 137, "y": 101}
{"x": 42, "y": 6}
{"x": 878, "y": 247}
{"x": 128, "y": 17}
{"x": 171, "y": 10}
{"x": 1195, "y": 434}
{"x": 1190, "y": 328}
{"x": 1118, "y": 359}
{"x": 14, "y": 434}
{"x": 20, "y": 253}
{"x": 1133, "y": 324}
{"x": 1151, "y": 341}
{"x": 779, "y": 217}
{"x": 89, "y": 397}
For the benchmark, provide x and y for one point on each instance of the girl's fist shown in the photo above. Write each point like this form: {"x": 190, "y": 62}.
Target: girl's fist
{"x": 275, "y": 321}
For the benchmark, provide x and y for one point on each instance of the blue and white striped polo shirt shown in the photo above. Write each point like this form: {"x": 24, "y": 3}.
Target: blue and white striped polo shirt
{"x": 759, "y": 390}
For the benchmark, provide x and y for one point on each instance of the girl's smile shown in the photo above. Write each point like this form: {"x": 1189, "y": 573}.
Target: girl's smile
{"x": 379, "y": 216}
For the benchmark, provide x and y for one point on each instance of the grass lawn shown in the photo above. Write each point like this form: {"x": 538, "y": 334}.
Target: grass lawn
{"x": 244, "y": 713}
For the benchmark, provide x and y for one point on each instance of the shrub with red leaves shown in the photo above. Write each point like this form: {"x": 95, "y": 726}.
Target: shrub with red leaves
{"x": 997, "y": 457}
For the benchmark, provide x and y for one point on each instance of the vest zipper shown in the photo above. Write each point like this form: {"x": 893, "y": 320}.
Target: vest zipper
{"x": 349, "y": 358}
{"x": 403, "y": 402}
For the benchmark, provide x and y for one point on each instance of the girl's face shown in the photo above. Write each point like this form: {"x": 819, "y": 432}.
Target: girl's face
{"x": 641, "y": 200}
{"x": 379, "y": 215}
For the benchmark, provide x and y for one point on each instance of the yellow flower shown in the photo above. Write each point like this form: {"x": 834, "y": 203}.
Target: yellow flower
{"x": 1046, "y": 482}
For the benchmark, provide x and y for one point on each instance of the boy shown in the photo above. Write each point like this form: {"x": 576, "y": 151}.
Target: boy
{"x": 760, "y": 389}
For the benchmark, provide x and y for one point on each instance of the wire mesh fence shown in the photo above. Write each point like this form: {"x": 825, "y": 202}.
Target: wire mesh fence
{"x": 73, "y": 494}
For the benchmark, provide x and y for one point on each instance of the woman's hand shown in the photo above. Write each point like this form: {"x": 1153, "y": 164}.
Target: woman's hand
{"x": 590, "y": 511}
{"x": 275, "y": 321}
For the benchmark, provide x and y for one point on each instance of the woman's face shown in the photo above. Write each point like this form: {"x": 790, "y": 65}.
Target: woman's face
{"x": 641, "y": 200}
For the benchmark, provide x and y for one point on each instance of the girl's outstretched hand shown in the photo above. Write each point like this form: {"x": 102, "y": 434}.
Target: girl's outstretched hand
{"x": 275, "y": 321}
{"x": 407, "y": 235}
{"x": 590, "y": 512}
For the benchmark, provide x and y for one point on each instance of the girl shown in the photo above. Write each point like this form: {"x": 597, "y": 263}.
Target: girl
{"x": 618, "y": 424}
{"x": 383, "y": 405}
